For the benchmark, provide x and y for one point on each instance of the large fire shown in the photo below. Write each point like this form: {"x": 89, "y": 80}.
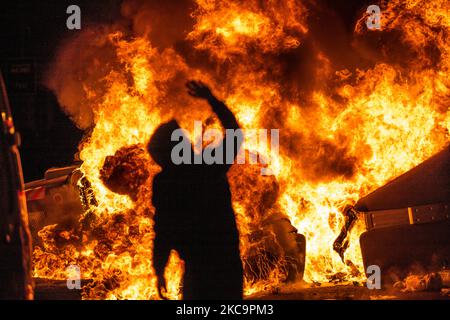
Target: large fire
{"x": 344, "y": 135}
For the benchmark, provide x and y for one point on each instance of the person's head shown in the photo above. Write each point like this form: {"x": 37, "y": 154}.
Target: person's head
{"x": 160, "y": 145}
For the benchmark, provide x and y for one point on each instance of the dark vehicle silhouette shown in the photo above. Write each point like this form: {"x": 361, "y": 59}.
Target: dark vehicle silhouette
{"x": 15, "y": 244}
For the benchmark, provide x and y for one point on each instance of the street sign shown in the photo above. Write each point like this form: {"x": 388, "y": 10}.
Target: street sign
{"x": 21, "y": 76}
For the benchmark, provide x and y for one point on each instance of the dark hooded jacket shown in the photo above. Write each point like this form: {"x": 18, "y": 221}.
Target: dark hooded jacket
{"x": 194, "y": 216}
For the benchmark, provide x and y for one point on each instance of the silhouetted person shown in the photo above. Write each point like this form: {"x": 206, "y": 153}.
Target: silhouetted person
{"x": 194, "y": 214}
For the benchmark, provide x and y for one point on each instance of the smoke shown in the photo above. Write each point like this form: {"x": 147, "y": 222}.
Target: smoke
{"x": 82, "y": 62}
{"x": 164, "y": 22}
{"x": 320, "y": 45}
{"x": 126, "y": 171}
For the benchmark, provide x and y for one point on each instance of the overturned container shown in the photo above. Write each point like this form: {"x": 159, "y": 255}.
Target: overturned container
{"x": 408, "y": 221}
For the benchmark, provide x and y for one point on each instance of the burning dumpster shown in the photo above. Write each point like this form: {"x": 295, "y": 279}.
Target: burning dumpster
{"x": 408, "y": 221}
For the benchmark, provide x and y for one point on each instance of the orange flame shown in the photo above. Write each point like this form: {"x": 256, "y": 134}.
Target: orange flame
{"x": 340, "y": 141}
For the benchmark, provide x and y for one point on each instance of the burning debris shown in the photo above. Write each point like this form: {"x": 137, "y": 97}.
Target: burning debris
{"x": 272, "y": 248}
{"x": 342, "y": 241}
{"x": 429, "y": 282}
{"x": 126, "y": 171}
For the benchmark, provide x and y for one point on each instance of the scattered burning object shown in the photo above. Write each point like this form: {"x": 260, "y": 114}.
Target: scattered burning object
{"x": 54, "y": 199}
{"x": 126, "y": 171}
{"x": 434, "y": 281}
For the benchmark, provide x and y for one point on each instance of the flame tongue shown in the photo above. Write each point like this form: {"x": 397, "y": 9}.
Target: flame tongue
{"x": 348, "y": 135}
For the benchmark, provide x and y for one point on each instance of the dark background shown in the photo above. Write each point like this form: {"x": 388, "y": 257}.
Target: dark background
{"x": 30, "y": 33}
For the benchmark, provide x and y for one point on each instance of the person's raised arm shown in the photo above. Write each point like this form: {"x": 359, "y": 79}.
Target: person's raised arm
{"x": 198, "y": 89}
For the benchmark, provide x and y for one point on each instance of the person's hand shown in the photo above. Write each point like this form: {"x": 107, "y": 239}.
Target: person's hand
{"x": 198, "y": 89}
